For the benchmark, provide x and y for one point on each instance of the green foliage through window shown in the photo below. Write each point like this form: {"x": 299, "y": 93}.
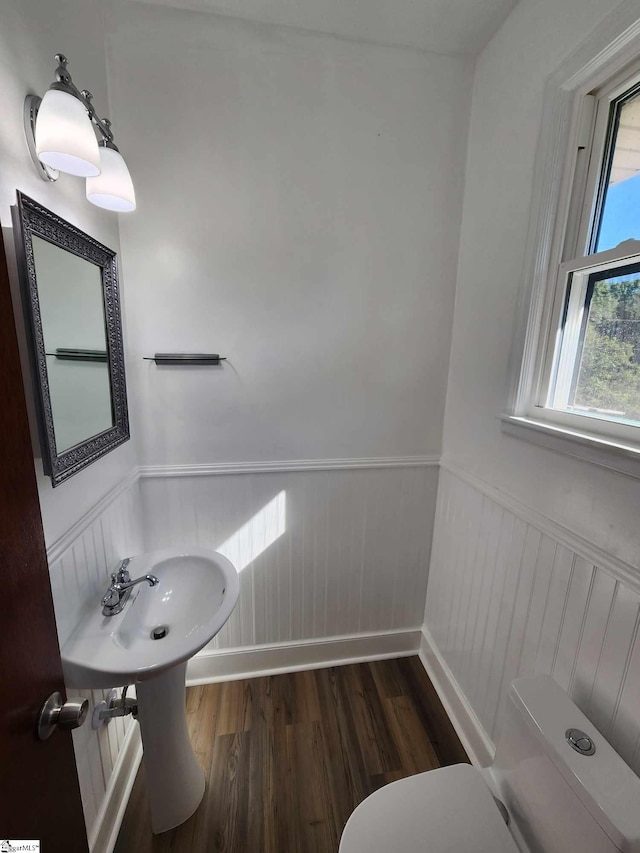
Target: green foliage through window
{"x": 609, "y": 374}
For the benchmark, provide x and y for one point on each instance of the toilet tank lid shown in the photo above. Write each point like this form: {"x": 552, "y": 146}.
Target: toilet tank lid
{"x": 606, "y": 786}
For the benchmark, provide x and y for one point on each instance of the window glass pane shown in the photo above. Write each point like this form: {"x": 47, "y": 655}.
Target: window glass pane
{"x": 619, "y": 217}
{"x": 607, "y": 375}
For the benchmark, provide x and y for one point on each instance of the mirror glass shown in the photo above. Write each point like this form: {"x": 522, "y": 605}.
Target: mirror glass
{"x": 75, "y": 341}
{"x": 71, "y": 306}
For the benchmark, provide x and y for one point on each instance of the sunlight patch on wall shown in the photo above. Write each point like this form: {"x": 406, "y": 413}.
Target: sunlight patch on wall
{"x": 254, "y": 537}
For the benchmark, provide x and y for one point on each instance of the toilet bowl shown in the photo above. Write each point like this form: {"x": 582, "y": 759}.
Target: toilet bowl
{"x": 541, "y": 794}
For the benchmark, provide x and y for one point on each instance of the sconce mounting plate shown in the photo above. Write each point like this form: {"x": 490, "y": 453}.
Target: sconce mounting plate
{"x": 31, "y": 107}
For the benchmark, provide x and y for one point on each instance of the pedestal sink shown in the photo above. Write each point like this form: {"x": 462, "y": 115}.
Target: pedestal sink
{"x": 196, "y": 594}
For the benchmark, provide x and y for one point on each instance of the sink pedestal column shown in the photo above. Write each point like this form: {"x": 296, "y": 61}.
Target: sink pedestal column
{"x": 174, "y": 779}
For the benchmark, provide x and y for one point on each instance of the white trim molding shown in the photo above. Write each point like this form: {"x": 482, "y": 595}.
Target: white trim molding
{"x": 62, "y": 543}
{"x": 211, "y": 666}
{"x": 477, "y": 743}
{"x": 615, "y": 456}
{"x": 620, "y": 570}
{"x": 161, "y": 471}
{"x": 107, "y": 826}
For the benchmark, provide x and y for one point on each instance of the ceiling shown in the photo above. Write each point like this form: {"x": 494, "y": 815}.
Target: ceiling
{"x": 444, "y": 26}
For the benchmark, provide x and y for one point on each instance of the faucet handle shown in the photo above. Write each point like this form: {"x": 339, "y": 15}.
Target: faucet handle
{"x": 122, "y": 575}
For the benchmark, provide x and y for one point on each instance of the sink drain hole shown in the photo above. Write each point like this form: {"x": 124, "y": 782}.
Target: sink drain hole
{"x": 159, "y": 632}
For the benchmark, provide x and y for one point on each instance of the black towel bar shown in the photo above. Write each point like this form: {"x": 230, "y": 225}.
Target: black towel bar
{"x": 185, "y": 358}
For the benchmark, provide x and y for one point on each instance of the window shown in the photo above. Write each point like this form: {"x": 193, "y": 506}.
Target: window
{"x": 592, "y": 364}
{"x": 580, "y": 376}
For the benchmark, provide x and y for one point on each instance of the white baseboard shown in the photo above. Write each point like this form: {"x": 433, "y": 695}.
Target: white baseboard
{"x": 476, "y": 741}
{"x": 107, "y": 826}
{"x": 253, "y": 661}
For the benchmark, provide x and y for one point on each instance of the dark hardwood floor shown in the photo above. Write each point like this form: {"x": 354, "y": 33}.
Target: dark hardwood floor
{"x": 288, "y": 757}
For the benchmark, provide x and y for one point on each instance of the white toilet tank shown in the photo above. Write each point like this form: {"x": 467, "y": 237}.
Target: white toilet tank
{"x": 561, "y": 800}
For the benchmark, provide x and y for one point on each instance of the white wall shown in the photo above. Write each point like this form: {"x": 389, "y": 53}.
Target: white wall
{"x": 535, "y": 554}
{"x": 29, "y": 39}
{"x": 505, "y": 124}
{"x": 299, "y": 202}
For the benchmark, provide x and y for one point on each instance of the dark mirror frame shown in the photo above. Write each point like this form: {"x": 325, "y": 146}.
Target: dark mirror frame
{"x": 30, "y": 220}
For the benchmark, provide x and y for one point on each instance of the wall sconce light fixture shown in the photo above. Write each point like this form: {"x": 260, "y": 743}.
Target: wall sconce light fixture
{"x": 61, "y": 134}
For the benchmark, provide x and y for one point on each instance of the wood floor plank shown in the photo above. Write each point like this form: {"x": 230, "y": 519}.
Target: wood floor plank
{"x": 385, "y": 778}
{"x": 202, "y": 712}
{"x": 226, "y": 829}
{"x": 263, "y": 814}
{"x": 315, "y": 830}
{"x": 349, "y": 780}
{"x": 235, "y": 704}
{"x": 416, "y": 751}
{"x": 304, "y": 701}
{"x": 385, "y": 675}
{"x": 361, "y": 696}
{"x": 287, "y": 758}
{"x": 434, "y": 718}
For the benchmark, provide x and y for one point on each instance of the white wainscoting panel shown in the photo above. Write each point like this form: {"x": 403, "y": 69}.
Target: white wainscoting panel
{"x": 512, "y": 594}
{"x": 338, "y": 551}
{"x": 79, "y": 574}
{"x": 322, "y": 553}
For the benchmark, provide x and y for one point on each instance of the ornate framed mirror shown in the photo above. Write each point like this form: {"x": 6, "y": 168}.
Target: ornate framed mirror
{"x": 72, "y": 307}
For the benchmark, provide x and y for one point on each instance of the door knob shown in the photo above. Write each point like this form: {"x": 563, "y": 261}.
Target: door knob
{"x": 63, "y": 715}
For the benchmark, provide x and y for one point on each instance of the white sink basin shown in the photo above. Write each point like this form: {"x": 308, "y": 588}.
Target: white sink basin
{"x": 195, "y": 597}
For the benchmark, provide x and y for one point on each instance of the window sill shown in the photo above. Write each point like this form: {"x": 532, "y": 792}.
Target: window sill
{"x": 614, "y": 455}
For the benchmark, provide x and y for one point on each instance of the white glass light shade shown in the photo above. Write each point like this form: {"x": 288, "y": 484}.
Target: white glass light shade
{"x": 113, "y": 188}
{"x": 65, "y": 138}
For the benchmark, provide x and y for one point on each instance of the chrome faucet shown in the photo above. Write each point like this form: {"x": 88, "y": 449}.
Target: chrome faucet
{"x": 115, "y": 598}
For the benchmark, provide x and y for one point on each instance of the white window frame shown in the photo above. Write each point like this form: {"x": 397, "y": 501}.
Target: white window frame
{"x": 570, "y": 151}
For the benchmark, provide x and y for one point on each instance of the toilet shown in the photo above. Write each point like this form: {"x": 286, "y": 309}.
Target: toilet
{"x": 555, "y": 786}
